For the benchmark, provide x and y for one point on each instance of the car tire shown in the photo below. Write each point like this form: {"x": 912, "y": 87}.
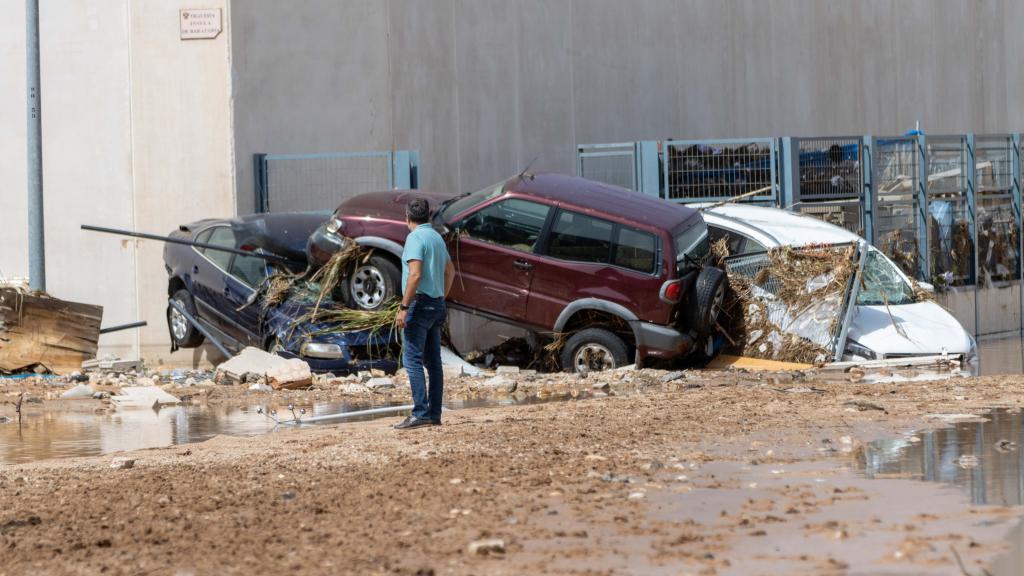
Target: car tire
{"x": 710, "y": 295}
{"x": 372, "y": 284}
{"x": 593, "y": 349}
{"x": 184, "y": 333}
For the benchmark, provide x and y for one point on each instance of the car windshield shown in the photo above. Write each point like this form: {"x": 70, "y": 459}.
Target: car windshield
{"x": 883, "y": 283}
{"x": 692, "y": 245}
{"x": 465, "y": 202}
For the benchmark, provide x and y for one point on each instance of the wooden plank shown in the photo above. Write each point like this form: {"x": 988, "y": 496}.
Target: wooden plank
{"x": 723, "y": 361}
{"x": 38, "y": 329}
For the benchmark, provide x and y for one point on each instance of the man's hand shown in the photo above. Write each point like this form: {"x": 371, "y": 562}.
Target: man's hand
{"x": 400, "y": 319}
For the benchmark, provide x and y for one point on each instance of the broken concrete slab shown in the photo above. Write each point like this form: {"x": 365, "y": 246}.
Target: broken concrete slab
{"x": 500, "y": 383}
{"x": 379, "y": 384}
{"x": 449, "y": 358}
{"x": 78, "y": 392}
{"x": 112, "y": 364}
{"x": 253, "y": 363}
{"x": 143, "y": 397}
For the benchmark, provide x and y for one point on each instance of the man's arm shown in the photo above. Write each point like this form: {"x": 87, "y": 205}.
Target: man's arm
{"x": 413, "y": 282}
{"x": 449, "y": 278}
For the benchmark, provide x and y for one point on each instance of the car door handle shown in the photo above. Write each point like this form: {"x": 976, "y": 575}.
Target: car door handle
{"x": 522, "y": 264}
{"x": 195, "y": 269}
{"x": 227, "y": 291}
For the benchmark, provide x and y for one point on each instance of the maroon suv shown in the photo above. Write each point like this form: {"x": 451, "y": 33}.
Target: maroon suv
{"x": 620, "y": 272}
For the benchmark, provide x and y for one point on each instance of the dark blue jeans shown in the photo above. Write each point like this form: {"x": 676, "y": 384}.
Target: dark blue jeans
{"x": 422, "y": 334}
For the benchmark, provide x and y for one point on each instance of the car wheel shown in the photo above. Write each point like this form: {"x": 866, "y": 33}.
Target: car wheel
{"x": 710, "y": 292}
{"x": 372, "y": 284}
{"x": 592, "y": 350}
{"x": 184, "y": 333}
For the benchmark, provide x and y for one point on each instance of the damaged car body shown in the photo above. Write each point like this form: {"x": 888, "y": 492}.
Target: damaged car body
{"x": 221, "y": 290}
{"x": 612, "y": 275}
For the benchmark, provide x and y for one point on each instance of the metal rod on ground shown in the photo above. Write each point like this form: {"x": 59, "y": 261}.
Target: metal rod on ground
{"x": 342, "y": 415}
{"x": 138, "y": 324}
{"x": 185, "y": 242}
{"x": 195, "y": 323}
{"x": 34, "y": 139}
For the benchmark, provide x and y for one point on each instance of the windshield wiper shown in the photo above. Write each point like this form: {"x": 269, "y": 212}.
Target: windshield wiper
{"x": 439, "y": 213}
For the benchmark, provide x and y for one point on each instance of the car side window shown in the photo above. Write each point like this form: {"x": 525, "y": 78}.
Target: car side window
{"x": 221, "y": 236}
{"x": 581, "y": 238}
{"x": 737, "y": 243}
{"x": 513, "y": 223}
{"x": 635, "y": 249}
{"x": 203, "y": 237}
{"x": 251, "y": 270}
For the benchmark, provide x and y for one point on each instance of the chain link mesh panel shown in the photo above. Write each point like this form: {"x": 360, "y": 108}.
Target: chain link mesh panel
{"x": 322, "y": 181}
{"x": 896, "y": 179}
{"x": 609, "y": 163}
{"x": 714, "y": 170}
{"x": 949, "y": 233}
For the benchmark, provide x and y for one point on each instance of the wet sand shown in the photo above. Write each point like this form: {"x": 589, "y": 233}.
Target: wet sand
{"x": 721, "y": 473}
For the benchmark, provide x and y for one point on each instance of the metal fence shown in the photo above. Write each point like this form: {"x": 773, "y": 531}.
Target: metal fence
{"x": 997, "y": 217}
{"x": 714, "y": 170}
{"x": 828, "y": 180}
{"x": 611, "y": 163}
{"x": 301, "y": 182}
{"x": 950, "y": 210}
{"x": 898, "y": 220}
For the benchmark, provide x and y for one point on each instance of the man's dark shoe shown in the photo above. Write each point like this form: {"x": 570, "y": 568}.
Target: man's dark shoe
{"x": 412, "y": 422}
{"x": 435, "y": 422}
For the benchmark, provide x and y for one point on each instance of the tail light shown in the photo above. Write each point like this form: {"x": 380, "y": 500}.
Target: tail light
{"x": 671, "y": 291}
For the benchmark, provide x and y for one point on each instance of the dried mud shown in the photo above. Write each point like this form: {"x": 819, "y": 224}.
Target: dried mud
{"x": 713, "y": 473}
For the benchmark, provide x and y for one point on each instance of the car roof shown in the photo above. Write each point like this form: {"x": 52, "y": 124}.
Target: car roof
{"x": 786, "y": 228}
{"x": 606, "y": 198}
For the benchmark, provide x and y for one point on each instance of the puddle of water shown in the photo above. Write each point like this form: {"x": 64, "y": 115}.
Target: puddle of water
{"x": 981, "y": 458}
{"x": 74, "y": 430}
{"x": 984, "y": 459}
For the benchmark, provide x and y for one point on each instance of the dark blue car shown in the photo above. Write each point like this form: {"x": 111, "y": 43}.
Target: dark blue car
{"x": 221, "y": 290}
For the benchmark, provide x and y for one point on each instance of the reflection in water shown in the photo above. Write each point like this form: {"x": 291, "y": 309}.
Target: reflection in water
{"x": 62, "y": 432}
{"x": 982, "y": 458}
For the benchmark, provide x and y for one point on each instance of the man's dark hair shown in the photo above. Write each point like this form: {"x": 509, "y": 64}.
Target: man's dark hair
{"x": 418, "y": 211}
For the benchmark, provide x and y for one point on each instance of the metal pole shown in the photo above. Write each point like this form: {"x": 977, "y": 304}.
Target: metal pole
{"x": 34, "y": 137}
{"x": 342, "y": 415}
{"x": 213, "y": 340}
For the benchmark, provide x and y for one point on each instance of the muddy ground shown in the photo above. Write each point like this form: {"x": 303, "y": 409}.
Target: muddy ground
{"x": 709, "y": 473}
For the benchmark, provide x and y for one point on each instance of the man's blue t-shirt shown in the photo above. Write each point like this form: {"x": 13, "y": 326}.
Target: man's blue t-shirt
{"x": 426, "y": 245}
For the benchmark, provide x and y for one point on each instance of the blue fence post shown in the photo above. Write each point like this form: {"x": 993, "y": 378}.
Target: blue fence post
{"x": 648, "y": 176}
{"x": 970, "y": 170}
{"x": 789, "y": 172}
{"x": 405, "y": 169}
{"x": 868, "y": 188}
{"x": 259, "y": 172}
{"x": 923, "y": 252}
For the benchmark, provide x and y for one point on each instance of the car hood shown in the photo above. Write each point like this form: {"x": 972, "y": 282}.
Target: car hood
{"x": 925, "y": 328}
{"x": 389, "y": 205}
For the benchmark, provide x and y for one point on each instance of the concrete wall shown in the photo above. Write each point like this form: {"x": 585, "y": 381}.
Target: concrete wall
{"x": 136, "y": 135}
{"x": 482, "y": 87}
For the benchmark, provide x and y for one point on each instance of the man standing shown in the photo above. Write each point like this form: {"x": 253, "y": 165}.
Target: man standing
{"x": 427, "y": 275}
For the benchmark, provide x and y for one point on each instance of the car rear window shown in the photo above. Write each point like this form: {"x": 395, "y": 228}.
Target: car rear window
{"x": 692, "y": 244}
{"x": 581, "y": 238}
{"x": 635, "y": 250}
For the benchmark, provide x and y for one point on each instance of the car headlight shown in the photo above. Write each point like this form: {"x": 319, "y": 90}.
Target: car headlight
{"x": 321, "y": 350}
{"x": 854, "y": 348}
{"x": 335, "y": 225}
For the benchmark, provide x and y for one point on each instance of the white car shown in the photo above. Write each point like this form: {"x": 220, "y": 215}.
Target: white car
{"x": 927, "y": 329}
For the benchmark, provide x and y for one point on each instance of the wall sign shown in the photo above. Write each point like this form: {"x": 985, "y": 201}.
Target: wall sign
{"x": 200, "y": 23}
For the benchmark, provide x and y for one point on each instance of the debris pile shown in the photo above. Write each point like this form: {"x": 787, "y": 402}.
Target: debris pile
{"x": 786, "y": 304}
